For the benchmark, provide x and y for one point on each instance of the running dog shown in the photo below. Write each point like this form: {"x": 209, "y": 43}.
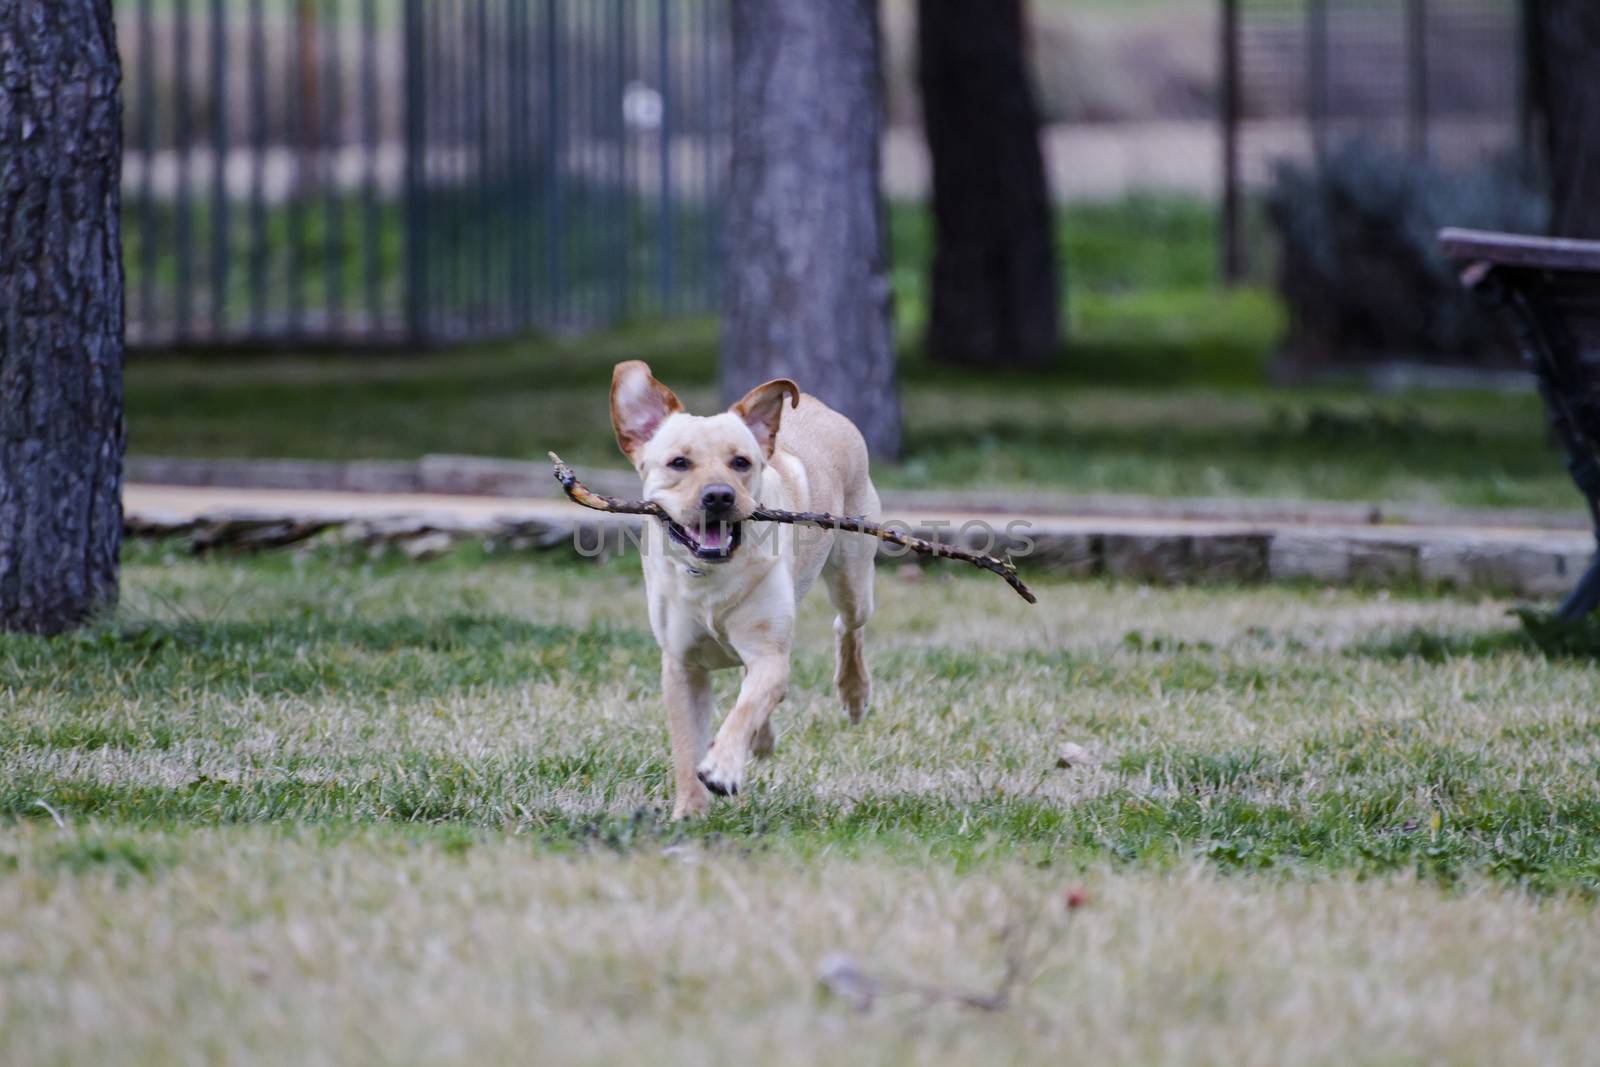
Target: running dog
{"x": 722, "y": 591}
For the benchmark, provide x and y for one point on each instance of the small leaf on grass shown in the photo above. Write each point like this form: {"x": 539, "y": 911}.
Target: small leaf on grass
{"x": 843, "y": 978}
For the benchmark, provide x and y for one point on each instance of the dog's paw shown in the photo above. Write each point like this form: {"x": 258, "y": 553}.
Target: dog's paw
{"x": 691, "y": 803}
{"x": 855, "y": 690}
{"x": 722, "y": 776}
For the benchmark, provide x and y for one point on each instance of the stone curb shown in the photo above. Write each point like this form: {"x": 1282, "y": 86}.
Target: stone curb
{"x": 1520, "y": 562}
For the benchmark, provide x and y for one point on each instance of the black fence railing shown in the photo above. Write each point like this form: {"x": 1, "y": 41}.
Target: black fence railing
{"x": 1442, "y": 80}
{"x": 411, "y": 171}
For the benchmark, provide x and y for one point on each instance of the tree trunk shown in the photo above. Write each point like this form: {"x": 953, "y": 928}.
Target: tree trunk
{"x": 1565, "y": 81}
{"x": 995, "y": 293}
{"x": 61, "y": 430}
{"x": 808, "y": 292}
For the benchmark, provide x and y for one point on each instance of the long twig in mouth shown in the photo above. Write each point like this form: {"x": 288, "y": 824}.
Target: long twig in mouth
{"x": 579, "y": 493}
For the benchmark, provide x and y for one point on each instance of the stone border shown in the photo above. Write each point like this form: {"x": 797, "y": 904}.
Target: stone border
{"x": 1529, "y": 563}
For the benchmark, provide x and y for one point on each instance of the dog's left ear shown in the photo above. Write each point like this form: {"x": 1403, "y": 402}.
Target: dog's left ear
{"x": 762, "y": 409}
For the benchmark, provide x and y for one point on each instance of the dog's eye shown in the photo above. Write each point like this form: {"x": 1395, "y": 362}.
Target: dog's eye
{"x": 679, "y": 463}
{"x": 740, "y": 463}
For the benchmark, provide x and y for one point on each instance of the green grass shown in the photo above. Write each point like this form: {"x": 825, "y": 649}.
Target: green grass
{"x": 1081, "y": 429}
{"x": 409, "y": 813}
{"x": 502, "y": 694}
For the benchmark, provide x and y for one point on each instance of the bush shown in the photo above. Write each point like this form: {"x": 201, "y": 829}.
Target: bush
{"x": 1359, "y": 268}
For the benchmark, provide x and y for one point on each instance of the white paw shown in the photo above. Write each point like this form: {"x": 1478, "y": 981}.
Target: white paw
{"x": 691, "y": 805}
{"x": 722, "y": 771}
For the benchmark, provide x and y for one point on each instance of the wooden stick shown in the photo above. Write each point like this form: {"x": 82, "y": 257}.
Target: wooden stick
{"x": 579, "y": 493}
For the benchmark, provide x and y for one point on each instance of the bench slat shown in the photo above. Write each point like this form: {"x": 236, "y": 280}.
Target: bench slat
{"x": 1520, "y": 250}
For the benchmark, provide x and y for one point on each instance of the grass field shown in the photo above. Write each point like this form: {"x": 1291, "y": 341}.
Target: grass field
{"x": 310, "y": 808}
{"x": 1079, "y": 430}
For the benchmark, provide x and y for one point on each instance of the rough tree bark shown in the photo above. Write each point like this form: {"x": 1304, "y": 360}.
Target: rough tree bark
{"x": 994, "y": 293}
{"x": 808, "y": 292}
{"x": 1565, "y": 81}
{"x": 61, "y": 428}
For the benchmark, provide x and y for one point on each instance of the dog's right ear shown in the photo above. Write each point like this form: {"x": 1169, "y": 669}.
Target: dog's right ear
{"x": 639, "y": 405}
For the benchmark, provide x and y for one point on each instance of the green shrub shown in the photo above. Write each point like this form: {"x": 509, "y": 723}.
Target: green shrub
{"x": 1359, "y": 267}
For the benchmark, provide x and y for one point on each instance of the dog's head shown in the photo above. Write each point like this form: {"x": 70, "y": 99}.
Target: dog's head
{"x": 702, "y": 470}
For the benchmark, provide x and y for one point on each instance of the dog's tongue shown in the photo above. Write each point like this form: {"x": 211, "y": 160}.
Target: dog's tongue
{"x": 712, "y": 536}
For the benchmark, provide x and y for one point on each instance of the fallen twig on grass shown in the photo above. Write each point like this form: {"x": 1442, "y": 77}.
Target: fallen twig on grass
{"x": 841, "y": 976}
{"x": 579, "y": 493}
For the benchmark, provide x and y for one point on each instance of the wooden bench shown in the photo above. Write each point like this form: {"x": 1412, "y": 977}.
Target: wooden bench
{"x": 1548, "y": 289}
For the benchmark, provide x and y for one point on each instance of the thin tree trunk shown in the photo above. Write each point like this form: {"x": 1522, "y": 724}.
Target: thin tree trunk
{"x": 808, "y": 292}
{"x": 1566, "y": 88}
{"x": 61, "y": 429}
{"x": 995, "y": 293}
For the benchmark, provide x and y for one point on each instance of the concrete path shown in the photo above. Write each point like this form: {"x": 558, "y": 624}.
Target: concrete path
{"x": 1520, "y": 560}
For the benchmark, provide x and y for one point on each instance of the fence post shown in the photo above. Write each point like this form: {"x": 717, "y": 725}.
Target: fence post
{"x": 665, "y": 219}
{"x": 1317, "y": 76}
{"x": 480, "y": 318}
{"x": 219, "y": 171}
{"x": 184, "y": 136}
{"x": 1417, "y": 87}
{"x": 416, "y": 215}
{"x": 1232, "y": 258}
{"x": 1529, "y": 78}
{"x": 369, "y": 176}
{"x": 515, "y": 193}
{"x": 553, "y": 139}
{"x": 330, "y": 142}
{"x": 258, "y": 155}
{"x": 622, "y": 188}
{"x": 297, "y": 103}
{"x": 146, "y": 106}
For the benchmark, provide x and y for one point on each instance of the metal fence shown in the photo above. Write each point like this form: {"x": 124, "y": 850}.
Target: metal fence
{"x": 1443, "y": 80}
{"x": 411, "y": 171}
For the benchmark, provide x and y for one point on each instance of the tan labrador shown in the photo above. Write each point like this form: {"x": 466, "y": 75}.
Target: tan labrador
{"x": 723, "y": 591}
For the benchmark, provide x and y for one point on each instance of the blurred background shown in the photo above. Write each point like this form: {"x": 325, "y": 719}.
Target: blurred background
{"x": 402, "y": 228}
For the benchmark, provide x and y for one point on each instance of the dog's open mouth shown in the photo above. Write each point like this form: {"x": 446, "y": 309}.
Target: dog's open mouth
{"x": 714, "y": 542}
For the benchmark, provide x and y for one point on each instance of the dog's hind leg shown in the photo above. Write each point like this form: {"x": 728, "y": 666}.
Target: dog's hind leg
{"x": 848, "y": 575}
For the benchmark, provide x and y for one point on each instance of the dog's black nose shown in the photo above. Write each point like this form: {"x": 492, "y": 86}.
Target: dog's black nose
{"x": 716, "y": 499}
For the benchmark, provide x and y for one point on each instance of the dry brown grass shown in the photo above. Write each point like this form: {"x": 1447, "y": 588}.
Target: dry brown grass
{"x": 281, "y": 946}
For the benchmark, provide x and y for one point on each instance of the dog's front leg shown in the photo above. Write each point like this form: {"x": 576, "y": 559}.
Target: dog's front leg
{"x": 766, "y": 678}
{"x": 688, "y": 693}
